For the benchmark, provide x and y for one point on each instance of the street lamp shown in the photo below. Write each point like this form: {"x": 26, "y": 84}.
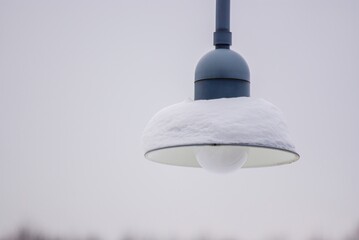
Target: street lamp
{"x": 223, "y": 128}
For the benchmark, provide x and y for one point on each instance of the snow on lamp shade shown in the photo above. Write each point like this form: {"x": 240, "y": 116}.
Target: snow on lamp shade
{"x": 219, "y": 135}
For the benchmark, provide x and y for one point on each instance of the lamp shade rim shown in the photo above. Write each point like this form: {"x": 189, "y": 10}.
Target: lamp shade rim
{"x": 294, "y": 156}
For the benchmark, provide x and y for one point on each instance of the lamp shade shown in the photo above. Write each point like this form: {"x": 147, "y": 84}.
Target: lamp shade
{"x": 176, "y": 134}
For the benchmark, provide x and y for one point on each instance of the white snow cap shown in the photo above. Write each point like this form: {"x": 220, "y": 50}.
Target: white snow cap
{"x": 227, "y": 121}
{"x": 242, "y": 120}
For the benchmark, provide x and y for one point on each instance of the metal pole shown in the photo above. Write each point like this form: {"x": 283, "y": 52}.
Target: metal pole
{"x": 222, "y": 37}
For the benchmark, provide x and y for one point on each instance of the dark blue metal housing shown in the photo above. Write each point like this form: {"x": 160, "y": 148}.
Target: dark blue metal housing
{"x": 221, "y": 73}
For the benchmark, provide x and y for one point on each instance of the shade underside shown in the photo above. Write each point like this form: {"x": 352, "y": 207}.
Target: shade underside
{"x": 258, "y": 156}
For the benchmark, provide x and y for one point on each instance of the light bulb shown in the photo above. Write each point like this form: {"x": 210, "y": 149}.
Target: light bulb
{"x": 221, "y": 159}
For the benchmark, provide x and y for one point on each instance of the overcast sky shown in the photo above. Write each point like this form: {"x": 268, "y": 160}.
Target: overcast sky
{"x": 79, "y": 80}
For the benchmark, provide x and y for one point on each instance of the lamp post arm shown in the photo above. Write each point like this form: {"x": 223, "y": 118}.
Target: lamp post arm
{"x": 222, "y": 37}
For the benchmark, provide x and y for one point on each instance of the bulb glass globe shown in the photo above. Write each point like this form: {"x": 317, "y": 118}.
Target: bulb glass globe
{"x": 221, "y": 159}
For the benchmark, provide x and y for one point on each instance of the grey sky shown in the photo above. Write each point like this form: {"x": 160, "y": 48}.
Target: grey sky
{"x": 80, "y": 79}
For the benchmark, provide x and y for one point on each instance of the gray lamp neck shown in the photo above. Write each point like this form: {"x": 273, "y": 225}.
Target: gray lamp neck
{"x": 222, "y": 37}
